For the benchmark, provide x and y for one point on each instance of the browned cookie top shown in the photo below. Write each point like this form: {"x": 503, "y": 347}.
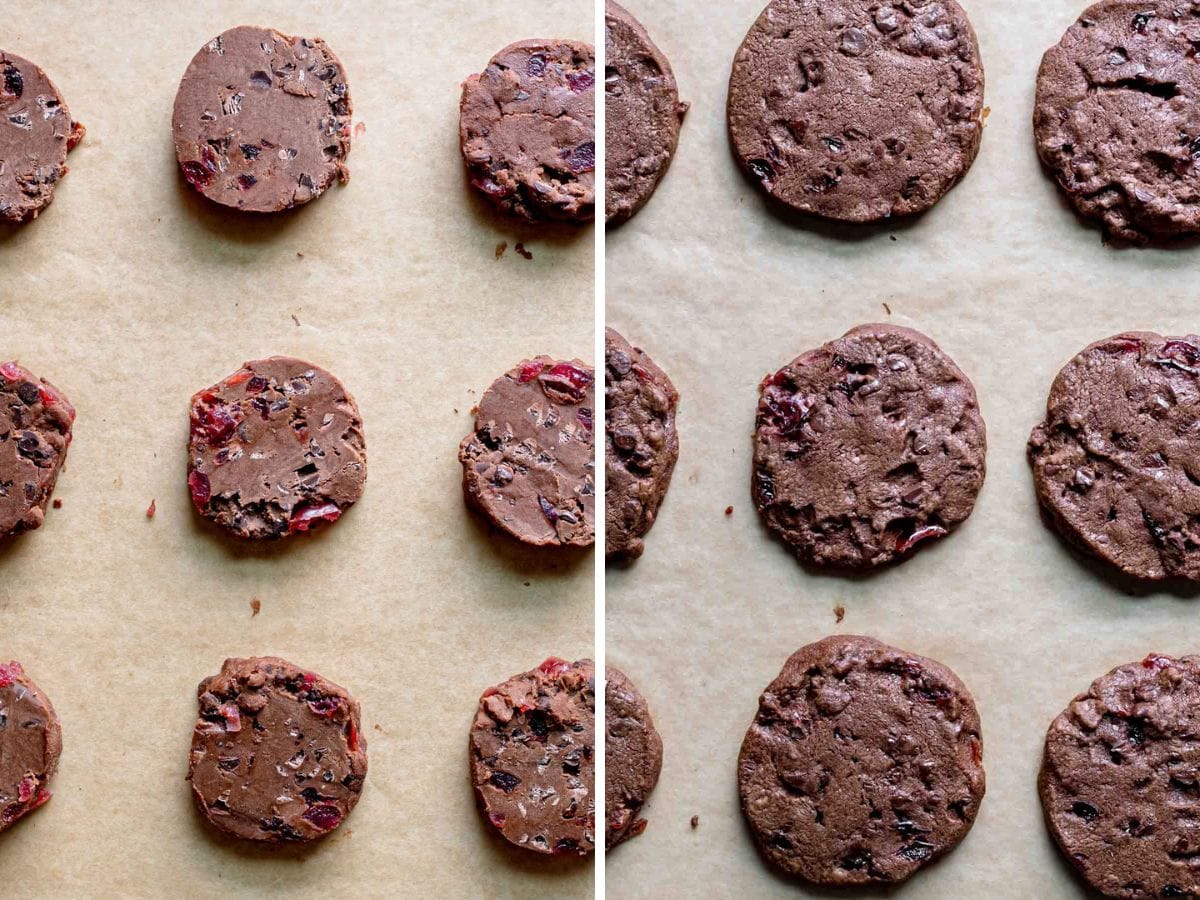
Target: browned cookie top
{"x": 863, "y": 765}
{"x": 867, "y": 447}
{"x": 277, "y": 754}
{"x": 276, "y": 448}
{"x": 528, "y": 130}
{"x": 640, "y": 444}
{"x": 36, "y": 132}
{"x": 532, "y": 758}
{"x": 633, "y": 757}
{"x": 30, "y": 744}
{"x": 1119, "y": 779}
{"x": 1117, "y": 460}
{"x": 262, "y": 120}
{"x": 529, "y": 465}
{"x": 35, "y": 431}
{"x": 857, "y": 110}
{"x": 1117, "y": 120}
{"x": 643, "y": 114}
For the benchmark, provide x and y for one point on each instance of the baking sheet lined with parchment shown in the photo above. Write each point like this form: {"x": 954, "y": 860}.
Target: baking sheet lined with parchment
{"x": 721, "y": 291}
{"x": 130, "y": 293}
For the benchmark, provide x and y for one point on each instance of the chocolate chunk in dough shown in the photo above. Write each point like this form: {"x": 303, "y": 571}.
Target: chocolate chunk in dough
{"x": 640, "y": 446}
{"x": 35, "y": 431}
{"x": 30, "y": 744}
{"x": 527, "y": 126}
{"x": 643, "y": 114}
{"x": 633, "y": 757}
{"x": 864, "y": 764}
{"x": 866, "y": 448}
{"x": 262, "y": 120}
{"x": 1116, "y": 119}
{"x": 854, "y": 110}
{"x": 36, "y": 133}
{"x": 531, "y": 750}
{"x": 1116, "y": 463}
{"x": 529, "y": 466}
{"x": 276, "y": 448}
{"x": 278, "y": 753}
{"x": 1118, "y": 779}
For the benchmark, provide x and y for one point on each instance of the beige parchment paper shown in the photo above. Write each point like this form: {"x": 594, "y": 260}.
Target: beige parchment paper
{"x": 130, "y": 293}
{"x": 721, "y": 292}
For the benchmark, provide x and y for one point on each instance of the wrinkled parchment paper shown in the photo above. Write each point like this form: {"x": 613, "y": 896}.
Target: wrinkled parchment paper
{"x": 721, "y": 291}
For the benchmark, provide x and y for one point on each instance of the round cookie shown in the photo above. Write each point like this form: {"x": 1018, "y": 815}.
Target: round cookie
{"x": 866, "y": 448}
{"x": 528, "y": 467}
{"x": 1118, "y": 779}
{"x": 1116, "y": 462}
{"x": 37, "y": 133}
{"x": 531, "y": 753}
{"x": 262, "y": 120}
{"x": 640, "y": 444}
{"x": 643, "y": 114}
{"x": 857, "y": 111}
{"x": 633, "y": 757}
{"x": 275, "y": 449}
{"x": 30, "y": 744}
{"x": 278, "y": 753}
{"x": 527, "y": 127}
{"x": 35, "y": 432}
{"x": 864, "y": 764}
{"x": 1116, "y": 120}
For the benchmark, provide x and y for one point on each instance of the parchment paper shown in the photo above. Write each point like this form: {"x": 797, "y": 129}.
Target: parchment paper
{"x": 130, "y": 293}
{"x": 720, "y": 291}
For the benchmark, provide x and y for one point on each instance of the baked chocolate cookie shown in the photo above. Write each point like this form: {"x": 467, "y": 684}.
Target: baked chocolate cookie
{"x": 632, "y": 757}
{"x": 527, "y": 126}
{"x": 262, "y": 120}
{"x": 528, "y": 467}
{"x": 531, "y": 753}
{"x": 30, "y": 744}
{"x": 276, "y": 448}
{"x": 1116, "y": 119}
{"x": 1116, "y": 463}
{"x": 278, "y": 753}
{"x": 1119, "y": 782}
{"x": 642, "y": 114}
{"x": 864, "y": 764}
{"x": 857, "y": 111}
{"x": 640, "y": 444}
{"x": 36, "y": 136}
{"x": 866, "y": 448}
{"x": 35, "y": 432}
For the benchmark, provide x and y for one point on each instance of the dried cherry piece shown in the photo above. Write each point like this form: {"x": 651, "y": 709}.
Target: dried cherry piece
{"x": 581, "y": 81}
{"x": 566, "y": 383}
{"x": 904, "y": 543}
{"x": 323, "y": 816}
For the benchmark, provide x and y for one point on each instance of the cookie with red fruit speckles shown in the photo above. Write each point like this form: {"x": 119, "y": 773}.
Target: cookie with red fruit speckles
{"x": 30, "y": 744}
{"x": 867, "y": 448}
{"x": 532, "y": 755}
{"x": 278, "y": 754}
{"x": 276, "y": 449}
{"x": 529, "y": 465}
{"x": 35, "y": 432}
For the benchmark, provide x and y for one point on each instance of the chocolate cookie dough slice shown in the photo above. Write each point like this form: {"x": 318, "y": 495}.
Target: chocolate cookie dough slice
{"x": 633, "y": 757}
{"x": 863, "y": 765}
{"x": 857, "y": 111}
{"x": 640, "y": 444}
{"x": 278, "y": 753}
{"x": 35, "y": 432}
{"x": 866, "y": 448}
{"x": 531, "y": 752}
{"x": 528, "y": 467}
{"x": 30, "y": 744}
{"x": 262, "y": 120}
{"x": 1115, "y": 120}
{"x": 36, "y": 133}
{"x": 643, "y": 114}
{"x": 276, "y": 449}
{"x": 527, "y": 126}
{"x": 1116, "y": 462}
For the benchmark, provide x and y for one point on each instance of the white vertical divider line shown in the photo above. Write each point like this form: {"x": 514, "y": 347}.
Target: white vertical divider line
{"x": 599, "y": 419}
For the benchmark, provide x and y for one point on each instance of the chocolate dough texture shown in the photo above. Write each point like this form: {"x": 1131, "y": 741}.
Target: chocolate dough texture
{"x": 30, "y": 744}
{"x": 35, "y": 432}
{"x": 633, "y": 757}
